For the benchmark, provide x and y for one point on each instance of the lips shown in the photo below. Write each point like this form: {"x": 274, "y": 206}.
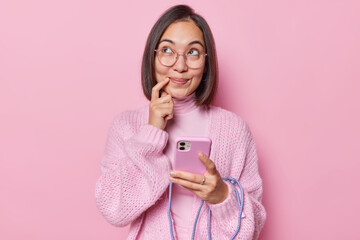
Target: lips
{"x": 179, "y": 81}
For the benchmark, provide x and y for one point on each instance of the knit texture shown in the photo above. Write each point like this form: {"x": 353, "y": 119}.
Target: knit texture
{"x": 133, "y": 186}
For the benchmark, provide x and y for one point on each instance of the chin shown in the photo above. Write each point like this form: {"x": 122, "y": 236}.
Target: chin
{"x": 178, "y": 94}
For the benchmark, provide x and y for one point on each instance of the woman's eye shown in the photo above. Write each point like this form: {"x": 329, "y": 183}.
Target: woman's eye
{"x": 166, "y": 50}
{"x": 193, "y": 52}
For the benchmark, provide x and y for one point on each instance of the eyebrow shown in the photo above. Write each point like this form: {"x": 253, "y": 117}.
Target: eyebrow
{"x": 191, "y": 43}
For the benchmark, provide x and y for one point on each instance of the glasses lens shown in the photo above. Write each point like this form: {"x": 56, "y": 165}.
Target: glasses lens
{"x": 195, "y": 61}
{"x": 168, "y": 57}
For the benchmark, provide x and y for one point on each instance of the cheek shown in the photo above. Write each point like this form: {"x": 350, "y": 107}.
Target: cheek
{"x": 160, "y": 71}
{"x": 198, "y": 77}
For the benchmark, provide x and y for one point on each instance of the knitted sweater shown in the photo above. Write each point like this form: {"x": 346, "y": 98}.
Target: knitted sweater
{"x": 134, "y": 181}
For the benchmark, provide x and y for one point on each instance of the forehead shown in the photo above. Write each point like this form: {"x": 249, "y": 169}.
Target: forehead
{"x": 182, "y": 33}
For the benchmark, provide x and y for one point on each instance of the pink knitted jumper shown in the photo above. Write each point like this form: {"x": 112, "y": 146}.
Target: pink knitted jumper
{"x": 134, "y": 181}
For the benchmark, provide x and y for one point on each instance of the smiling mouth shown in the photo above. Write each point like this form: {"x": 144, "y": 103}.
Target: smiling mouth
{"x": 179, "y": 81}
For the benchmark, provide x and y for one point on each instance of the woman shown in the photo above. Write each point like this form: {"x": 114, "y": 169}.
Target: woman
{"x": 179, "y": 77}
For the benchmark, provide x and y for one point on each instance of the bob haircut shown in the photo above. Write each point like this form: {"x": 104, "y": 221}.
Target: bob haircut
{"x": 205, "y": 92}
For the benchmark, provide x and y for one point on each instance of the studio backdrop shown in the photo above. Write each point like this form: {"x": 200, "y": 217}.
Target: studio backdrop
{"x": 290, "y": 69}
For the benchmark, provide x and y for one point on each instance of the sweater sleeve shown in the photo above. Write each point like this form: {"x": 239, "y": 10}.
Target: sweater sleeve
{"x": 134, "y": 171}
{"x": 225, "y": 214}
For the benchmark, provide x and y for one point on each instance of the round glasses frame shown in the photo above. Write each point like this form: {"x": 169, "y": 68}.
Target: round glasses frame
{"x": 177, "y": 57}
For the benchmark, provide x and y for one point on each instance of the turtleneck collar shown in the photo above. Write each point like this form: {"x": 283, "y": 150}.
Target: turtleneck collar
{"x": 185, "y": 105}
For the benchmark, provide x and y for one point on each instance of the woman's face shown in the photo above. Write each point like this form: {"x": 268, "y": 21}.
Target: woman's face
{"x": 184, "y": 38}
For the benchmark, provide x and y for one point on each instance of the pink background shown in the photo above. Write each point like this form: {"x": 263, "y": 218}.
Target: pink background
{"x": 289, "y": 68}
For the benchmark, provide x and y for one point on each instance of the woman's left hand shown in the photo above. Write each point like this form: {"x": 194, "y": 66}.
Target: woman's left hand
{"x": 213, "y": 190}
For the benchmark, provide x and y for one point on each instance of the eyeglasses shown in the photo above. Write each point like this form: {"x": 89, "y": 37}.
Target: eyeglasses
{"x": 193, "y": 58}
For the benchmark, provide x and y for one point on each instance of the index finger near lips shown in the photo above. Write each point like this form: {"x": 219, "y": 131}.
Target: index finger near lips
{"x": 156, "y": 89}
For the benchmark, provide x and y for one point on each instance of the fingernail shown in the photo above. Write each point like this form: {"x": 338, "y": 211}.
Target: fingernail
{"x": 171, "y": 179}
{"x": 173, "y": 173}
{"x": 201, "y": 154}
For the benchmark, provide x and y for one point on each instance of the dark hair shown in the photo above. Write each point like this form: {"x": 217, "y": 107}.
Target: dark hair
{"x": 207, "y": 88}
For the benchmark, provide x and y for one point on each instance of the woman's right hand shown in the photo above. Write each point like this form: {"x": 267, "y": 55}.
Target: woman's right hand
{"x": 161, "y": 108}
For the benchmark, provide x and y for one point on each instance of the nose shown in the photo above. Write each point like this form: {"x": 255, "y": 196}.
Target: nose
{"x": 180, "y": 64}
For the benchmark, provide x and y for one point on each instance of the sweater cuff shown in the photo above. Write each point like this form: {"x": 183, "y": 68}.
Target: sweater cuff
{"x": 229, "y": 206}
{"x": 153, "y": 135}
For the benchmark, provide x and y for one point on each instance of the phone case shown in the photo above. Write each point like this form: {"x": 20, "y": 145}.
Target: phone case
{"x": 186, "y": 153}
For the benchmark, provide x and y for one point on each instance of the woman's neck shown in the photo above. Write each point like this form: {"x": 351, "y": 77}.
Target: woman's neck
{"x": 185, "y": 105}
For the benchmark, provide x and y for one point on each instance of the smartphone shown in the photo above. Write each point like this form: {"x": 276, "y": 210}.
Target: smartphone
{"x": 186, "y": 154}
